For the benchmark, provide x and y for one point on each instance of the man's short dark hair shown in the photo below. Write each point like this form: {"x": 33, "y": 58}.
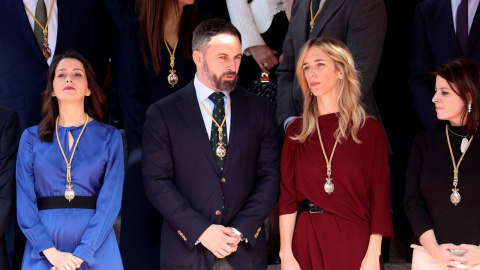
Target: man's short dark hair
{"x": 210, "y": 28}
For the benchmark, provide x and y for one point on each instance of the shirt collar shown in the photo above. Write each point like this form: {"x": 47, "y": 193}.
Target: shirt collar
{"x": 203, "y": 91}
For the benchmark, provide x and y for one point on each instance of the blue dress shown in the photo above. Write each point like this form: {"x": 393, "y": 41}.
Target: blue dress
{"x": 97, "y": 170}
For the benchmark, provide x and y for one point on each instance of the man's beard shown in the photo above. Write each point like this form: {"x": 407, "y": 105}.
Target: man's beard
{"x": 219, "y": 83}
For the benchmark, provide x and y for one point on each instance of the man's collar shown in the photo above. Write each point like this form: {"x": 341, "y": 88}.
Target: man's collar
{"x": 203, "y": 91}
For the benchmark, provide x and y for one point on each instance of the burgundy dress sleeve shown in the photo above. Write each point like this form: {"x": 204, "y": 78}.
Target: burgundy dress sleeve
{"x": 288, "y": 192}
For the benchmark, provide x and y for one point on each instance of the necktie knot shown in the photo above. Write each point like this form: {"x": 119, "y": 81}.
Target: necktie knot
{"x": 217, "y": 98}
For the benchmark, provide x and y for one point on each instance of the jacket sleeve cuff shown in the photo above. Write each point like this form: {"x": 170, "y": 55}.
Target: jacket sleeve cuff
{"x": 40, "y": 246}
{"x": 86, "y": 254}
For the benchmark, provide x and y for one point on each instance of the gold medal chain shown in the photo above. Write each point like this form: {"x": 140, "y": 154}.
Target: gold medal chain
{"x": 457, "y": 165}
{"x": 327, "y": 160}
{"x": 219, "y": 127}
{"x": 69, "y": 163}
{"x": 48, "y": 19}
{"x": 314, "y": 18}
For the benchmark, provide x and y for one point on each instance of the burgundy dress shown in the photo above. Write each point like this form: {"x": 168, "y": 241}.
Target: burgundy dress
{"x": 358, "y": 207}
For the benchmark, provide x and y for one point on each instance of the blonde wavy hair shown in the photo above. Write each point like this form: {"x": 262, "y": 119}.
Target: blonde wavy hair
{"x": 352, "y": 115}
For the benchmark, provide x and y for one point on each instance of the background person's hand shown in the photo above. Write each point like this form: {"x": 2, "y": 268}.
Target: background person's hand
{"x": 264, "y": 56}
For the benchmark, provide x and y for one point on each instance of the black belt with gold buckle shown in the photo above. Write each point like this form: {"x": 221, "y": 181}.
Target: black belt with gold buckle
{"x": 307, "y": 205}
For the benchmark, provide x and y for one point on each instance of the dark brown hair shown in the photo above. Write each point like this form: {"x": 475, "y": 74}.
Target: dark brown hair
{"x": 151, "y": 14}
{"x": 463, "y": 76}
{"x": 210, "y": 28}
{"x": 95, "y": 105}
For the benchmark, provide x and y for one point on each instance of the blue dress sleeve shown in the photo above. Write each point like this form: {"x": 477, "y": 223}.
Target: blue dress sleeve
{"x": 27, "y": 211}
{"x": 108, "y": 202}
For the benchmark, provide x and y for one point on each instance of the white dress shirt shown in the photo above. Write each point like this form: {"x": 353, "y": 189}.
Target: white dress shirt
{"x": 472, "y": 9}
{"x": 203, "y": 92}
{"x": 52, "y": 25}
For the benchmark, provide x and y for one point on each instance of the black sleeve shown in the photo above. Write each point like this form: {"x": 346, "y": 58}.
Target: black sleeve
{"x": 415, "y": 205}
{"x": 9, "y": 135}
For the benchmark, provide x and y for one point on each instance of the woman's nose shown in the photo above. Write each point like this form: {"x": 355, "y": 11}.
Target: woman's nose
{"x": 435, "y": 97}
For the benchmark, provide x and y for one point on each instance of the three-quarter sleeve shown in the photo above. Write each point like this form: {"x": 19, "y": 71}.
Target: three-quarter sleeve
{"x": 380, "y": 214}
{"x": 27, "y": 211}
{"x": 288, "y": 193}
{"x": 108, "y": 202}
{"x": 415, "y": 205}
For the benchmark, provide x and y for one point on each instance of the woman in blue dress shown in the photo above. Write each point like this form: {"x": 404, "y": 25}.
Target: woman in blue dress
{"x": 70, "y": 175}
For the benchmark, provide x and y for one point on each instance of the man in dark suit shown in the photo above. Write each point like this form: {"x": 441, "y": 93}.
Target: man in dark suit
{"x": 9, "y": 135}
{"x": 436, "y": 39}
{"x": 360, "y": 24}
{"x": 80, "y": 25}
{"x": 210, "y": 161}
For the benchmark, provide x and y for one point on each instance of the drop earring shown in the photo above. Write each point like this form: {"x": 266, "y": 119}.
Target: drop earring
{"x": 469, "y": 108}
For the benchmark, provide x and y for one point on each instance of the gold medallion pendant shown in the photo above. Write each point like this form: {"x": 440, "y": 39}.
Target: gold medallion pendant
{"x": 455, "y": 197}
{"x": 47, "y": 53}
{"x": 172, "y": 77}
{"x": 69, "y": 193}
{"x": 328, "y": 187}
{"x": 221, "y": 151}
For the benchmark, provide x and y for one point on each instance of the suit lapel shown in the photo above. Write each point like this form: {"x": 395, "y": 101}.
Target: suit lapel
{"x": 189, "y": 110}
{"x": 474, "y": 31}
{"x": 303, "y": 19}
{"x": 445, "y": 19}
{"x": 65, "y": 8}
{"x": 240, "y": 108}
{"x": 20, "y": 18}
{"x": 329, "y": 8}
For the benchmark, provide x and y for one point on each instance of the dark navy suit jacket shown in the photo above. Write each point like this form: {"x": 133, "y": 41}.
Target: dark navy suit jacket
{"x": 82, "y": 26}
{"x": 183, "y": 181}
{"x": 9, "y": 136}
{"x": 434, "y": 43}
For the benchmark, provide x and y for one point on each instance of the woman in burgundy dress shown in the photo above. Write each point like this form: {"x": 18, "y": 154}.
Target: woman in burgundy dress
{"x": 335, "y": 164}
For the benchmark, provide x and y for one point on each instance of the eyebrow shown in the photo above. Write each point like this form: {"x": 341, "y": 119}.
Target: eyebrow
{"x": 238, "y": 55}
{"x": 73, "y": 69}
{"x": 316, "y": 60}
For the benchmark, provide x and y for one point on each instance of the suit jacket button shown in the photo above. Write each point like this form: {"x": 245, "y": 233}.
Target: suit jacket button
{"x": 223, "y": 180}
{"x": 218, "y": 212}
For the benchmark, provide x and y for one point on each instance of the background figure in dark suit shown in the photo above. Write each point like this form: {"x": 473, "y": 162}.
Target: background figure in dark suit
{"x": 9, "y": 135}
{"x": 360, "y": 24}
{"x": 435, "y": 41}
{"x": 80, "y": 25}
{"x": 213, "y": 202}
